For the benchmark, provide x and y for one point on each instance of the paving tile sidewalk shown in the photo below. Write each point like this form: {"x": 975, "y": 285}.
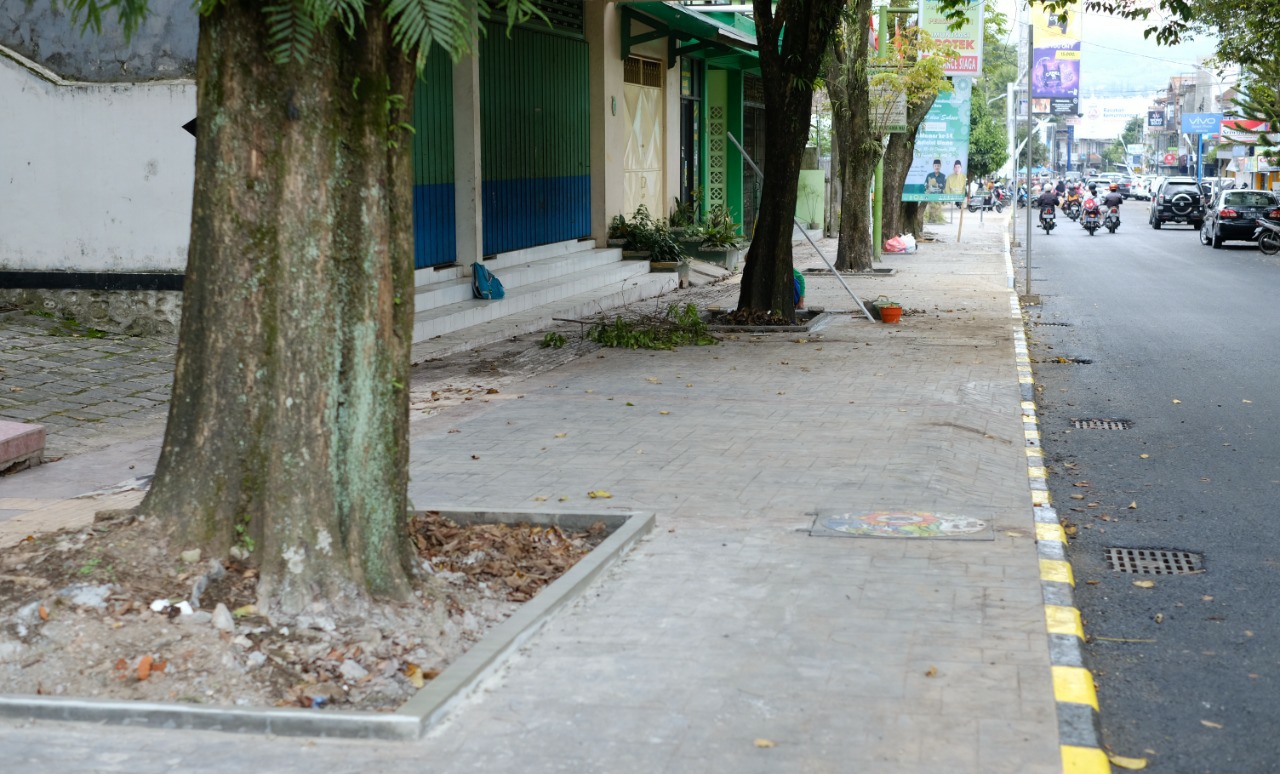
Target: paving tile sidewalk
{"x": 731, "y": 624}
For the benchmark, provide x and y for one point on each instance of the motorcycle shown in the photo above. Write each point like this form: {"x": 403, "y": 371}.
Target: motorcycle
{"x": 1268, "y": 236}
{"x": 1072, "y": 208}
{"x": 988, "y": 201}
{"x": 1112, "y": 221}
{"x": 1047, "y": 219}
{"x": 1022, "y": 197}
{"x": 1091, "y": 217}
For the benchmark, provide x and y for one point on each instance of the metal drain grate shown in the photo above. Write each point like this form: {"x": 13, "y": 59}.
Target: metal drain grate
{"x": 1055, "y": 324}
{"x": 1101, "y": 424}
{"x": 1153, "y": 561}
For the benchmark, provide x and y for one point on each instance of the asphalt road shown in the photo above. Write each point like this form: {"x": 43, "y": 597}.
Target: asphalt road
{"x": 1183, "y": 343}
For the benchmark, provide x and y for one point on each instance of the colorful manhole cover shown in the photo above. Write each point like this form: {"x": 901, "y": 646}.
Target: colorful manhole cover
{"x": 901, "y": 524}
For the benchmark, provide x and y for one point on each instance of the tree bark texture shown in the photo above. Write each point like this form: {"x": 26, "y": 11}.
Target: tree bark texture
{"x": 897, "y": 163}
{"x": 288, "y": 424}
{"x": 859, "y": 147}
{"x": 789, "y": 65}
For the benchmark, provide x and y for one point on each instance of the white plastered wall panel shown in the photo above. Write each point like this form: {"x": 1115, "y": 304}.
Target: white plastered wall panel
{"x": 93, "y": 177}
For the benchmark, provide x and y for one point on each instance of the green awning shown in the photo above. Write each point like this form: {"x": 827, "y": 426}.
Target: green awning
{"x": 688, "y": 33}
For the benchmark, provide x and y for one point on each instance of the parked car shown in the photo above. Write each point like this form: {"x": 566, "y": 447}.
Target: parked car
{"x": 1233, "y": 214}
{"x": 1125, "y": 186}
{"x": 1142, "y": 188}
{"x": 1178, "y": 200}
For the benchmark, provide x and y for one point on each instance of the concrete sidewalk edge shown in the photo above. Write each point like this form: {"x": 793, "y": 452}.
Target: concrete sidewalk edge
{"x": 1079, "y": 724}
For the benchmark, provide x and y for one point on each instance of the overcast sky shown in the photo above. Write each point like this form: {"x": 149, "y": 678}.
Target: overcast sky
{"x": 1116, "y": 61}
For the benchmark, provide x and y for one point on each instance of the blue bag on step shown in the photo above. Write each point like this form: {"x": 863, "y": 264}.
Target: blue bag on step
{"x": 484, "y": 284}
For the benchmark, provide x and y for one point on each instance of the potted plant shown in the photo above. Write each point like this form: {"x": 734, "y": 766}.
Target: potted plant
{"x": 720, "y": 239}
{"x": 890, "y": 311}
{"x": 665, "y": 253}
{"x": 640, "y": 229}
{"x": 684, "y": 214}
{"x": 618, "y": 229}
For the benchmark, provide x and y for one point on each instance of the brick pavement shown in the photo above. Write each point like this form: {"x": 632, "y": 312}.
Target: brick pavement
{"x": 87, "y": 392}
{"x": 731, "y": 624}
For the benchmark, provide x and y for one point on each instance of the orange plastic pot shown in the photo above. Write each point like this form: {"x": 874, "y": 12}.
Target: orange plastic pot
{"x": 890, "y": 314}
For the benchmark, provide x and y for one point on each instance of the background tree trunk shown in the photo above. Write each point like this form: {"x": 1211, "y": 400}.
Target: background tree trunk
{"x": 288, "y": 423}
{"x": 788, "y": 67}
{"x": 851, "y": 127}
{"x": 903, "y": 217}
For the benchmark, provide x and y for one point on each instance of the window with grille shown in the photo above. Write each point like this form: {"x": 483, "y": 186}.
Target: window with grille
{"x": 643, "y": 72}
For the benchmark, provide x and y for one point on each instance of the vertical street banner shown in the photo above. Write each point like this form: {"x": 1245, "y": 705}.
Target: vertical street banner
{"x": 1055, "y": 71}
{"x": 939, "y": 168}
{"x": 967, "y": 41}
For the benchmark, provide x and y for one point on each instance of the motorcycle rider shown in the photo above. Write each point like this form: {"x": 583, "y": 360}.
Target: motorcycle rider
{"x": 1113, "y": 197}
{"x": 1047, "y": 198}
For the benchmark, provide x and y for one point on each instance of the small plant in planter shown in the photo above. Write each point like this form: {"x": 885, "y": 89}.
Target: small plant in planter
{"x": 618, "y": 231}
{"x": 684, "y": 214}
{"x": 640, "y": 229}
{"x": 719, "y": 232}
{"x": 665, "y": 252}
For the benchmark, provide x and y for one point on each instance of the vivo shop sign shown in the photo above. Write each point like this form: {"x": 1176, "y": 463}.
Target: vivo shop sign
{"x": 1201, "y": 123}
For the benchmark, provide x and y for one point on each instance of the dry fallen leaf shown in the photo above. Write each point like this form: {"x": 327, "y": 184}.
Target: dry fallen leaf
{"x": 1133, "y": 506}
{"x": 540, "y": 498}
{"x": 561, "y": 435}
{"x": 414, "y": 673}
{"x": 1145, "y": 584}
{"x": 1133, "y": 764}
{"x": 764, "y": 743}
{"x": 1144, "y": 456}
{"x": 1082, "y": 484}
{"x": 475, "y": 456}
{"x": 931, "y": 672}
{"x": 653, "y": 380}
{"x": 144, "y": 668}
{"x": 1175, "y": 400}
{"x": 1077, "y": 497}
{"x": 1092, "y": 582}
{"x": 1210, "y": 724}
{"x": 599, "y": 494}
{"x": 44, "y": 613}
{"x": 1246, "y": 401}
{"x": 664, "y": 413}
{"x": 1206, "y": 598}
{"x": 1159, "y": 618}
{"x": 491, "y": 391}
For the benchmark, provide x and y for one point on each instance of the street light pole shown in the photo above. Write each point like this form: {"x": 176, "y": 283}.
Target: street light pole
{"x": 1030, "y": 66}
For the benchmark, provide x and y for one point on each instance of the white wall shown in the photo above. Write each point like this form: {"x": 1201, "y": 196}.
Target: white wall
{"x": 93, "y": 177}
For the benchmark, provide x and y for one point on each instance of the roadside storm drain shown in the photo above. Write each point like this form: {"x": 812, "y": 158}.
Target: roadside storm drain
{"x": 1153, "y": 561}
{"x": 1101, "y": 424}
{"x": 1069, "y": 360}
{"x": 1054, "y": 324}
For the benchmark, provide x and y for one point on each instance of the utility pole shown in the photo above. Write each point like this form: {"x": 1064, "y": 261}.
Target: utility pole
{"x": 1030, "y": 66}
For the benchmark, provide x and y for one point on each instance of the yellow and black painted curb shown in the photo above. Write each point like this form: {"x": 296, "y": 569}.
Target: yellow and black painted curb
{"x": 1079, "y": 730}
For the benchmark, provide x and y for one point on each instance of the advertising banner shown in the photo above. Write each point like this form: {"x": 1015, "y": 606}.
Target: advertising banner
{"x": 1243, "y": 131}
{"x": 967, "y": 41}
{"x": 939, "y": 167}
{"x": 1055, "y": 73}
{"x": 1155, "y": 119}
{"x": 1201, "y": 123}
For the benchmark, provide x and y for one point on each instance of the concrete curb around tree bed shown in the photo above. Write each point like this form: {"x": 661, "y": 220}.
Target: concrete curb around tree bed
{"x": 427, "y": 707}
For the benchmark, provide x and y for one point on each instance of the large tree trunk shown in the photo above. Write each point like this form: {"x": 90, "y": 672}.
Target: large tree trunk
{"x": 287, "y": 429}
{"x": 859, "y": 147}
{"x": 789, "y": 64}
{"x": 903, "y": 217}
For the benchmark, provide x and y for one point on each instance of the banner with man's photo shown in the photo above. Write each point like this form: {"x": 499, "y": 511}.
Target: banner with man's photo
{"x": 941, "y": 160}
{"x": 1055, "y": 70}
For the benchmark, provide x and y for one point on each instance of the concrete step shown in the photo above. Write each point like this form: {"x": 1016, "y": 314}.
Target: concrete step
{"x": 21, "y": 444}
{"x": 432, "y": 275}
{"x": 637, "y": 287}
{"x": 444, "y": 291}
{"x": 438, "y": 320}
